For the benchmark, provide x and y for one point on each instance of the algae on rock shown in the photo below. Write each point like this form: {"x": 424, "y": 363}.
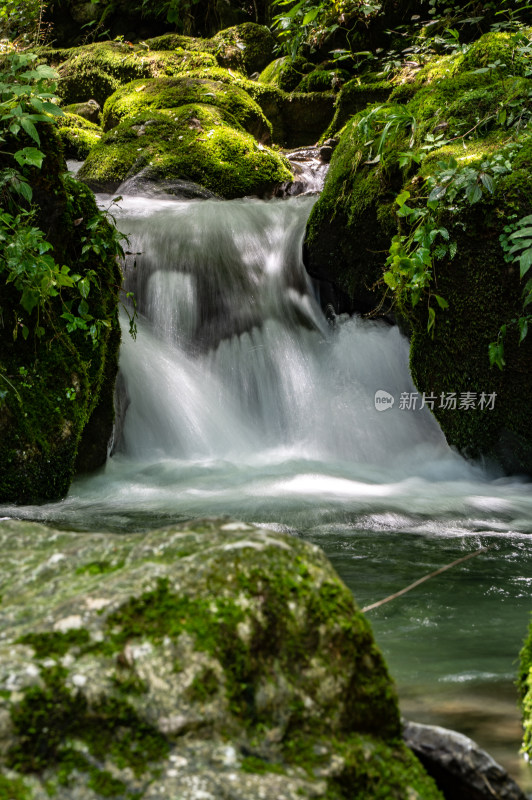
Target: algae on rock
{"x": 189, "y": 657}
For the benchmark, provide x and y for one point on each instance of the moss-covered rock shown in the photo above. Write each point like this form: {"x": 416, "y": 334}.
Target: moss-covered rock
{"x": 199, "y": 655}
{"x": 247, "y": 48}
{"x": 355, "y": 96}
{"x": 192, "y": 142}
{"x": 286, "y": 74}
{"x": 77, "y": 135}
{"x": 54, "y": 384}
{"x": 322, "y": 80}
{"x": 170, "y": 93}
{"x": 351, "y": 225}
{"x": 501, "y": 52}
{"x": 90, "y": 110}
{"x": 95, "y": 71}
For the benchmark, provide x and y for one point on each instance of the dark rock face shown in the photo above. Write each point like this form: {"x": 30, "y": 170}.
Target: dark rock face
{"x": 460, "y": 768}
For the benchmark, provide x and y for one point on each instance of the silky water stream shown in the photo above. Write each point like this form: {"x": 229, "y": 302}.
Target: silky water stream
{"x": 237, "y": 398}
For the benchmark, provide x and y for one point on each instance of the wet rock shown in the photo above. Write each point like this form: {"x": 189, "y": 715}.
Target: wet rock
{"x": 326, "y": 153}
{"x": 213, "y": 659}
{"x": 90, "y": 110}
{"x": 147, "y": 184}
{"x": 462, "y": 770}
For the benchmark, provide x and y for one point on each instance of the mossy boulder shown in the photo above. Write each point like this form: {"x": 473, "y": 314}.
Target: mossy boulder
{"x": 203, "y": 655}
{"x": 322, "y": 80}
{"x": 170, "y": 93}
{"x": 90, "y": 110}
{"x": 351, "y": 226}
{"x": 95, "y": 71}
{"x": 194, "y": 143}
{"x": 247, "y": 48}
{"x": 55, "y": 384}
{"x": 500, "y": 52}
{"x": 286, "y": 74}
{"x": 77, "y": 135}
{"x": 355, "y": 96}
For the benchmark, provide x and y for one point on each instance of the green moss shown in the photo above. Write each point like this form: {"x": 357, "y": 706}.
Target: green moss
{"x": 47, "y": 719}
{"x": 259, "y": 766}
{"x": 77, "y": 142}
{"x": 99, "y": 568}
{"x": 171, "y": 93}
{"x": 104, "y": 784}
{"x": 285, "y": 73}
{"x": 203, "y": 687}
{"x": 320, "y": 80}
{"x": 13, "y": 789}
{"x": 95, "y": 71}
{"x": 504, "y": 48}
{"x": 55, "y": 644}
{"x": 354, "y": 97}
{"x": 193, "y": 142}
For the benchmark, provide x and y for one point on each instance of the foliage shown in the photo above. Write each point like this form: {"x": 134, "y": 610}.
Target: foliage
{"x": 516, "y": 243}
{"x": 20, "y": 23}
{"x": 26, "y": 99}
{"x": 410, "y": 264}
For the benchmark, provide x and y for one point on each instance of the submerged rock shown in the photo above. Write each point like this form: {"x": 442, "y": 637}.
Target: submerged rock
{"x": 462, "y": 770}
{"x": 212, "y": 657}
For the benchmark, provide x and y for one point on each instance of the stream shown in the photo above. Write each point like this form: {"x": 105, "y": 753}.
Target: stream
{"x": 237, "y": 398}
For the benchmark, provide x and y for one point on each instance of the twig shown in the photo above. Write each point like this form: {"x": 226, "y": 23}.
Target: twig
{"x": 425, "y": 578}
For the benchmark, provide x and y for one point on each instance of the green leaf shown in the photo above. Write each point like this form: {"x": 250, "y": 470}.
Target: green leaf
{"x": 496, "y": 354}
{"x": 523, "y": 328}
{"x": 488, "y": 182}
{"x": 441, "y": 301}
{"x": 311, "y": 15}
{"x": 432, "y": 319}
{"x": 473, "y": 193}
{"x": 521, "y": 233}
{"x": 525, "y": 262}
{"x": 29, "y": 155}
{"x": 402, "y": 198}
{"x": 437, "y": 193}
{"x": 30, "y": 129}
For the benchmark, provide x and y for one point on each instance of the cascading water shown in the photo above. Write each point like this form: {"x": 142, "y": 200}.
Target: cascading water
{"x": 237, "y": 398}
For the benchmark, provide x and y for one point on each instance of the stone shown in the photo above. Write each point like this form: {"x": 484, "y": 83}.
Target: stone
{"x": 462, "y": 770}
{"x": 210, "y": 659}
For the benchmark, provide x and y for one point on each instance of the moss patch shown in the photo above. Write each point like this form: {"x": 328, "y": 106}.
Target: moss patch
{"x": 193, "y": 142}
{"x": 171, "y": 93}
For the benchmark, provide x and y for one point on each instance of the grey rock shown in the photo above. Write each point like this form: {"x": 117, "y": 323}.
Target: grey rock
{"x": 462, "y": 770}
{"x": 212, "y": 659}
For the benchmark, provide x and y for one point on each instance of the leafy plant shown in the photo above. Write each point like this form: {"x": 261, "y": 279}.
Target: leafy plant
{"x": 26, "y": 260}
{"x": 516, "y": 243}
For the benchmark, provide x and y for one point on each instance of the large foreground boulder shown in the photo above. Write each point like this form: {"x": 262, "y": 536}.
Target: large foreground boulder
{"x": 212, "y": 659}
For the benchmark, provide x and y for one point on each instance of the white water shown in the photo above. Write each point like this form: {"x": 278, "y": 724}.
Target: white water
{"x": 240, "y": 400}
